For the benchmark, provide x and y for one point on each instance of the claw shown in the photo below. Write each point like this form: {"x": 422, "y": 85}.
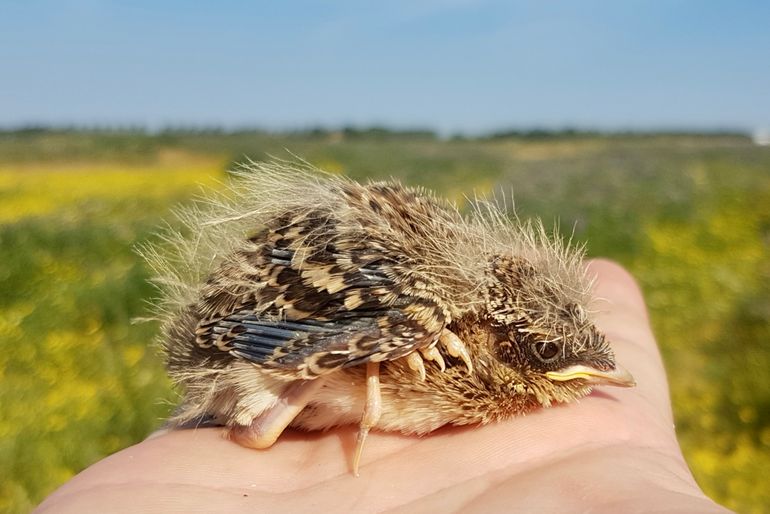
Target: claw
{"x": 456, "y": 348}
{"x": 415, "y": 362}
{"x": 432, "y": 354}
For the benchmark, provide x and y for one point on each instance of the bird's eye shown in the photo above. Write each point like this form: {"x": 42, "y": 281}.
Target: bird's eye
{"x": 545, "y": 351}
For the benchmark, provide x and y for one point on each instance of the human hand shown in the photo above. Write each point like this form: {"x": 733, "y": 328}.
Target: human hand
{"x": 614, "y": 451}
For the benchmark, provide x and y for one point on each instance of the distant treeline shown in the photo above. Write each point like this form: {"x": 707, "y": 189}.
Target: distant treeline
{"x": 372, "y": 132}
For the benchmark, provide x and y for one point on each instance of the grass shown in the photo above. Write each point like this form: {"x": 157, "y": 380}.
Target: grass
{"x": 689, "y": 215}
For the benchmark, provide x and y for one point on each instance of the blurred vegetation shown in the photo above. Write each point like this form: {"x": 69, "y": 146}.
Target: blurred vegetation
{"x": 689, "y": 214}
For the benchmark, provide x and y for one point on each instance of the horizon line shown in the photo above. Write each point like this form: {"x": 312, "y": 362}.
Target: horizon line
{"x": 375, "y": 128}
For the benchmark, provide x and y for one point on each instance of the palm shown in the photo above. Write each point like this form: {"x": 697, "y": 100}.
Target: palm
{"x": 614, "y": 451}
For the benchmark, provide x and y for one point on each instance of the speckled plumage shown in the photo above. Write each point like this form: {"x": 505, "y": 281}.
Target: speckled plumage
{"x": 293, "y": 280}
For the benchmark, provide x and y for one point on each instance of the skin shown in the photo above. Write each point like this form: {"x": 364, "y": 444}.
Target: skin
{"x": 614, "y": 451}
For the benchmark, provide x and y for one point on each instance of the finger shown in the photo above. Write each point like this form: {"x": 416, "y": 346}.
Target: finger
{"x": 616, "y": 284}
{"x": 623, "y": 318}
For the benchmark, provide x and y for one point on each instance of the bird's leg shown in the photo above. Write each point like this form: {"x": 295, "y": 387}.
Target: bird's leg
{"x": 372, "y": 410}
{"x": 265, "y": 428}
{"x": 456, "y": 348}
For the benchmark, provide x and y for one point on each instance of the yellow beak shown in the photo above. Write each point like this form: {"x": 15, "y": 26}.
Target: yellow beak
{"x": 617, "y": 377}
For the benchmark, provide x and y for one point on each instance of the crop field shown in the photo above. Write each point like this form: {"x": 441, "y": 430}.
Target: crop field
{"x": 689, "y": 215}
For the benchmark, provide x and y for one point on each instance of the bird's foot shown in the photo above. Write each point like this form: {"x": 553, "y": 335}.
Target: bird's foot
{"x": 456, "y": 348}
{"x": 431, "y": 353}
{"x": 372, "y": 410}
{"x": 265, "y": 428}
{"x": 453, "y": 346}
{"x": 415, "y": 362}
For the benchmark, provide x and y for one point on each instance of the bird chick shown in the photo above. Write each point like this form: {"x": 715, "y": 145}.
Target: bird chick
{"x": 309, "y": 300}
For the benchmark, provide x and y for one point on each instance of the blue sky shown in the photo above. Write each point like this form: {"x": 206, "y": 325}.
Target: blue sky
{"x": 457, "y": 65}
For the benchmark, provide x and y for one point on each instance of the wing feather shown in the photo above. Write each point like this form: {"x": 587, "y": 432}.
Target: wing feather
{"x": 305, "y": 298}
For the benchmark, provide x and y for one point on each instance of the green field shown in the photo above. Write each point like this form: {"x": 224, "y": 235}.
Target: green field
{"x": 689, "y": 215}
